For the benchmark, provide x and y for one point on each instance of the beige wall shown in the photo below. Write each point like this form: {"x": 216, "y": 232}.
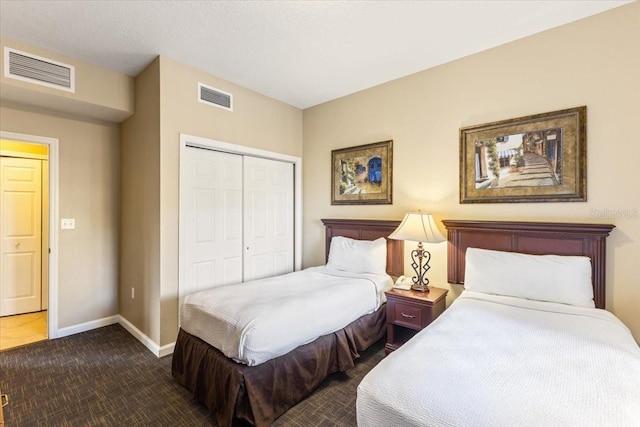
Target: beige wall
{"x": 140, "y": 207}
{"x": 257, "y": 121}
{"x": 89, "y": 175}
{"x": 87, "y": 191}
{"x": 166, "y": 102}
{"x": 593, "y": 62}
{"x": 146, "y": 149}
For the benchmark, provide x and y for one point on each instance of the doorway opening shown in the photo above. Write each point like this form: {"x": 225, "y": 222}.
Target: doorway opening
{"x": 28, "y": 285}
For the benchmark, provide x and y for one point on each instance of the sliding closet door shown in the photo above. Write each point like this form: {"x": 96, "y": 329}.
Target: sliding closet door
{"x": 212, "y": 207}
{"x": 268, "y": 218}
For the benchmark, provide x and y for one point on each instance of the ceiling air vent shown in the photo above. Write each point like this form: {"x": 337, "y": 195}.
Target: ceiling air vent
{"x": 36, "y": 69}
{"x": 212, "y": 96}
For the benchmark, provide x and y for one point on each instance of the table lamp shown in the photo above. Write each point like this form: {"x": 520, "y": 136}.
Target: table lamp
{"x": 419, "y": 227}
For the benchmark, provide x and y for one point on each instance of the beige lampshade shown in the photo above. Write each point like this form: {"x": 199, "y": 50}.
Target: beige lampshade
{"x": 418, "y": 227}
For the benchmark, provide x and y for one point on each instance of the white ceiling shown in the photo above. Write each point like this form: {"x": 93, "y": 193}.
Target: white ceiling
{"x": 300, "y": 52}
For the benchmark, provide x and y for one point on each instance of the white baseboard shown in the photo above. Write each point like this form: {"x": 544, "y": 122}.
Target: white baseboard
{"x": 87, "y": 326}
{"x": 165, "y": 350}
{"x": 144, "y": 339}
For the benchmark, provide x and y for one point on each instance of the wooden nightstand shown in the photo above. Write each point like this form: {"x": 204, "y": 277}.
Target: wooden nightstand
{"x": 409, "y": 312}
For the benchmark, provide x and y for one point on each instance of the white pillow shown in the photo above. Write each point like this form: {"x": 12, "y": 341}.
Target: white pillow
{"x": 358, "y": 256}
{"x": 555, "y": 278}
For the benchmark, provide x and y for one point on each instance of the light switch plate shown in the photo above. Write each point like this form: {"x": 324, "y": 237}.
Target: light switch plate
{"x": 68, "y": 223}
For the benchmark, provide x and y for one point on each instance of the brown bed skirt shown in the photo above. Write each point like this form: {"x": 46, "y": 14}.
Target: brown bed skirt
{"x": 241, "y": 395}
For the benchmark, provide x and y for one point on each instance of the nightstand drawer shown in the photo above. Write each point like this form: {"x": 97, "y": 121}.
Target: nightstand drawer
{"x": 408, "y": 312}
{"x": 407, "y": 315}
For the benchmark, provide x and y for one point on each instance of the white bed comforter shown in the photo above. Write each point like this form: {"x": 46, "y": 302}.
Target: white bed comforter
{"x": 257, "y": 321}
{"x": 503, "y": 361}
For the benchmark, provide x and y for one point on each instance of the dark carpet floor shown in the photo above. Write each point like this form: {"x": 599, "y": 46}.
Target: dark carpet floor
{"x": 105, "y": 377}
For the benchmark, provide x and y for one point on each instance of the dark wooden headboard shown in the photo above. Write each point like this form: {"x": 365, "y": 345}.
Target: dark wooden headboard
{"x": 368, "y": 229}
{"x": 537, "y": 238}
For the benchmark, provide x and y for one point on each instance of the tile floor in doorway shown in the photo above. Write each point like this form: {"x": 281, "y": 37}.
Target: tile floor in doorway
{"x": 22, "y": 329}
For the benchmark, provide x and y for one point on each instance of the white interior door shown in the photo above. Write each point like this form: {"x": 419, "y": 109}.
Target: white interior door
{"x": 268, "y": 218}
{"x": 212, "y": 206}
{"x": 21, "y": 235}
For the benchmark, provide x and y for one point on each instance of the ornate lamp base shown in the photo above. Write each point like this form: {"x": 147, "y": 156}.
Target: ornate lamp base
{"x": 420, "y": 265}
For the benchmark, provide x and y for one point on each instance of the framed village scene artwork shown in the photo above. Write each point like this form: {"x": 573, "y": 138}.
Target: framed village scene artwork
{"x": 538, "y": 158}
{"x": 362, "y": 175}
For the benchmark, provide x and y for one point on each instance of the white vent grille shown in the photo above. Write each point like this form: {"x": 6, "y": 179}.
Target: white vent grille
{"x": 35, "y": 69}
{"x": 216, "y": 97}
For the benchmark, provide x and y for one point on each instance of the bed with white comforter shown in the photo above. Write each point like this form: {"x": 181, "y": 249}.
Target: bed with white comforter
{"x": 502, "y": 355}
{"x": 494, "y": 360}
{"x": 257, "y": 321}
{"x": 251, "y": 351}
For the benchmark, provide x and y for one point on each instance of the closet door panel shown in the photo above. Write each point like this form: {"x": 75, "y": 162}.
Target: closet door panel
{"x": 212, "y": 196}
{"x": 268, "y": 218}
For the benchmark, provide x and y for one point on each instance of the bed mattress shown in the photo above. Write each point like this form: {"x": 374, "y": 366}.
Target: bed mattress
{"x": 504, "y": 361}
{"x": 257, "y": 321}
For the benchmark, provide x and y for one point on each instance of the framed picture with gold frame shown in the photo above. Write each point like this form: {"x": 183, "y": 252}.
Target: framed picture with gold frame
{"x": 362, "y": 175}
{"x": 538, "y": 158}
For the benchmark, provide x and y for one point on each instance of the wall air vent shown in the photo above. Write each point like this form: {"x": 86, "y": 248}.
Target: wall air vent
{"x": 216, "y": 97}
{"x": 36, "y": 69}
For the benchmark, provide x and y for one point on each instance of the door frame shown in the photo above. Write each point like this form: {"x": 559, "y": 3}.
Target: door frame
{"x": 52, "y": 308}
{"x": 211, "y": 144}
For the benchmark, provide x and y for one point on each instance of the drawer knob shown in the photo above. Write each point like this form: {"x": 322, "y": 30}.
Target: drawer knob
{"x": 408, "y": 316}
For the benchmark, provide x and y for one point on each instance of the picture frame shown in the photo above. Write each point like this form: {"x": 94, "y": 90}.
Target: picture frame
{"x": 362, "y": 175}
{"x": 537, "y": 158}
